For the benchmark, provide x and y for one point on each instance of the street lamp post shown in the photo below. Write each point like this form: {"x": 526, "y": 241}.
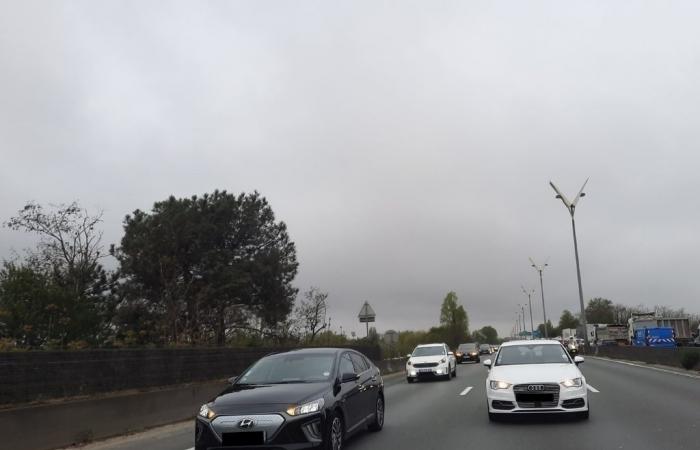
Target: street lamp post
{"x": 529, "y": 302}
{"x": 571, "y": 207}
{"x": 540, "y": 269}
{"x": 522, "y": 308}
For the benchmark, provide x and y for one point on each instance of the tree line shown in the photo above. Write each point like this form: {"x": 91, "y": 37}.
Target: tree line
{"x": 204, "y": 270}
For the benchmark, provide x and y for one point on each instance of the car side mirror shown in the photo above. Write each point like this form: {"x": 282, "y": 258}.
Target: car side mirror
{"x": 233, "y": 379}
{"x": 578, "y": 360}
{"x": 487, "y": 363}
{"x": 348, "y": 377}
{"x": 450, "y": 353}
{"x": 408, "y": 356}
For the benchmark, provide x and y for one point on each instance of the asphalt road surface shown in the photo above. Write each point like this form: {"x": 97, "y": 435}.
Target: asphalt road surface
{"x": 631, "y": 408}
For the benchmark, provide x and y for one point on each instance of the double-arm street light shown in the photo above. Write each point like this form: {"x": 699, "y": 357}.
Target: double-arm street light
{"x": 540, "y": 269}
{"x": 571, "y": 207}
{"x": 529, "y": 303}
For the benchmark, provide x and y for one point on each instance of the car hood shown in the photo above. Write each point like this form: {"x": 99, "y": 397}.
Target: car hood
{"x": 534, "y": 373}
{"x": 426, "y": 359}
{"x": 237, "y": 397}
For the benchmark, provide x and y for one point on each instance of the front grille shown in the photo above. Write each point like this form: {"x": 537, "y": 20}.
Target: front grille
{"x": 536, "y": 395}
{"x": 423, "y": 365}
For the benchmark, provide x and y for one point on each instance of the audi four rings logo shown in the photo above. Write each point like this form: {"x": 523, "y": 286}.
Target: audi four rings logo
{"x": 246, "y": 423}
{"x": 535, "y": 387}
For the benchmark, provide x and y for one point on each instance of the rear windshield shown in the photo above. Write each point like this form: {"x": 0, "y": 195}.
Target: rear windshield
{"x": 429, "y": 351}
{"x": 485, "y": 346}
{"x": 467, "y": 347}
{"x": 532, "y": 354}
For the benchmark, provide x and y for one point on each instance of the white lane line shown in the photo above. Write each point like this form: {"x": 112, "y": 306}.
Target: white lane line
{"x": 191, "y": 448}
{"x": 466, "y": 391}
{"x": 592, "y": 389}
{"x": 647, "y": 367}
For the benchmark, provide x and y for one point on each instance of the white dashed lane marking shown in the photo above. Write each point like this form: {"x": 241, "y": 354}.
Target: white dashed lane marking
{"x": 466, "y": 391}
{"x": 592, "y": 389}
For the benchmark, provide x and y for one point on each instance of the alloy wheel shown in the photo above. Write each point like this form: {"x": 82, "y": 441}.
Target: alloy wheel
{"x": 336, "y": 434}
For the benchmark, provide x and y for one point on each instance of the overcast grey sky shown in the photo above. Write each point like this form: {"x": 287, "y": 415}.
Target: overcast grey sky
{"x": 407, "y": 145}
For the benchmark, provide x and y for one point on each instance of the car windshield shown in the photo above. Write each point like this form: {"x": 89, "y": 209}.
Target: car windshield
{"x": 467, "y": 347}
{"x": 532, "y": 354}
{"x": 290, "y": 368}
{"x": 428, "y": 351}
{"x": 485, "y": 346}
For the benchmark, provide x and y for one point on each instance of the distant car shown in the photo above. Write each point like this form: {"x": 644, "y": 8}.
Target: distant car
{"x": 467, "y": 352}
{"x": 430, "y": 361}
{"x": 535, "y": 377}
{"x": 309, "y": 398}
{"x": 484, "y": 349}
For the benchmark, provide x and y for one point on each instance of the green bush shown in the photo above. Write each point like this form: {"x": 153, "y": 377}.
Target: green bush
{"x": 689, "y": 358}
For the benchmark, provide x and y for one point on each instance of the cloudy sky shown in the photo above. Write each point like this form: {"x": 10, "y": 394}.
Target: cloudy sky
{"x": 407, "y": 145}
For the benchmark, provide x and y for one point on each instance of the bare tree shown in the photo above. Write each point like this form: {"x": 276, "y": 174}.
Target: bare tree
{"x": 70, "y": 245}
{"x": 311, "y": 314}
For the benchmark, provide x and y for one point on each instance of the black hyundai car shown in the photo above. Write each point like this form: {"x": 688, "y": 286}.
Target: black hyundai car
{"x": 309, "y": 398}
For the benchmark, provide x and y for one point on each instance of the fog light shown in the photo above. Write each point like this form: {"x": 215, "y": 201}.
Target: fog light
{"x": 413, "y": 373}
{"x": 439, "y": 371}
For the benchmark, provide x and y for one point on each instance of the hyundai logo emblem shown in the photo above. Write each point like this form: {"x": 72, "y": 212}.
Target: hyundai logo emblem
{"x": 246, "y": 423}
{"x": 535, "y": 387}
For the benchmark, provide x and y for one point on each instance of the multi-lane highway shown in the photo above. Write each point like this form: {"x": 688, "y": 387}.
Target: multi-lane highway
{"x": 631, "y": 408}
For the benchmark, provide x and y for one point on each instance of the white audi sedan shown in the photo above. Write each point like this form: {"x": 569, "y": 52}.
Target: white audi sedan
{"x": 535, "y": 377}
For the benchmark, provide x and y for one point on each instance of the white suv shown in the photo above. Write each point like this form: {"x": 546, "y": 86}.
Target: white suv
{"x": 431, "y": 360}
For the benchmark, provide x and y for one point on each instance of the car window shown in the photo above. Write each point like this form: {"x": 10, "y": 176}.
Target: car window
{"x": 467, "y": 347}
{"x": 532, "y": 354}
{"x": 289, "y": 368}
{"x": 346, "y": 365}
{"x": 429, "y": 351}
{"x": 359, "y": 362}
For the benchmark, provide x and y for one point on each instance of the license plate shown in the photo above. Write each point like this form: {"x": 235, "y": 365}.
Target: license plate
{"x": 243, "y": 438}
{"x": 425, "y": 370}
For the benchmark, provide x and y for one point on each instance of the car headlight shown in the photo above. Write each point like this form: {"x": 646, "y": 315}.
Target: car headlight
{"x": 443, "y": 361}
{"x": 408, "y": 363}
{"x": 570, "y": 383}
{"x": 458, "y": 354}
{"x": 306, "y": 408}
{"x": 495, "y": 385}
{"x": 206, "y": 412}
{"x": 472, "y": 354}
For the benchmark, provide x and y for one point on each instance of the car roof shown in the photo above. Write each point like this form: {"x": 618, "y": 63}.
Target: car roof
{"x": 531, "y": 342}
{"x": 430, "y": 345}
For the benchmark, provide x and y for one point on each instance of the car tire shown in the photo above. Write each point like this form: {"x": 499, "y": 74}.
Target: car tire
{"x": 585, "y": 414}
{"x": 335, "y": 433}
{"x": 410, "y": 380}
{"x": 379, "y": 408}
{"x": 493, "y": 417}
{"x": 454, "y": 372}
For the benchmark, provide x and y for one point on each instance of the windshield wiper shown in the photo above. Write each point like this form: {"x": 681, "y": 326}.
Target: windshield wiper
{"x": 291, "y": 382}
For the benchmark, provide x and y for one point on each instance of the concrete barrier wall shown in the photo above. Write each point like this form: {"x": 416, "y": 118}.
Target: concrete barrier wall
{"x": 68, "y": 422}
{"x": 664, "y": 356}
{"x": 48, "y": 426}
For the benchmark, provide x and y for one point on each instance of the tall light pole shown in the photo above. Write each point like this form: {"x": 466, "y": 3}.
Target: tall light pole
{"x": 571, "y": 207}
{"x": 529, "y": 302}
{"x": 540, "y": 269}
{"x": 522, "y": 308}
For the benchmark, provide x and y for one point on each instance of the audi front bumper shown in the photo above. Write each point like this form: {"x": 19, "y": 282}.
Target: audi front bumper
{"x": 569, "y": 400}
